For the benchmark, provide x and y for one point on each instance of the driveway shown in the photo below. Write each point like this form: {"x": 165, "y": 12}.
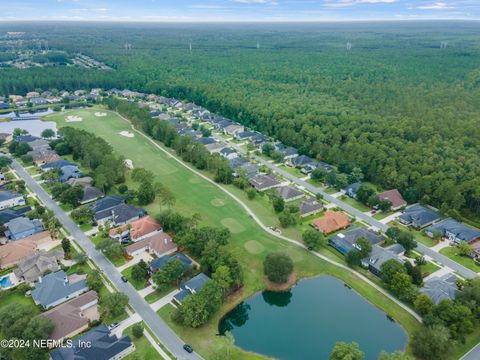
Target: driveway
{"x": 159, "y": 328}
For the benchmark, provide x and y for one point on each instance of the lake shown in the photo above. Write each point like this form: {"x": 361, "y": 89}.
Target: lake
{"x": 34, "y": 127}
{"x": 306, "y": 322}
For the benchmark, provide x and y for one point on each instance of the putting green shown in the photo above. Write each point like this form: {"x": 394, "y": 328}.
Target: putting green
{"x": 217, "y": 202}
{"x": 233, "y": 225}
{"x": 254, "y": 247}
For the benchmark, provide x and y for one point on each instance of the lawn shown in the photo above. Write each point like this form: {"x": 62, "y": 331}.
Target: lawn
{"x": 249, "y": 243}
{"x": 294, "y": 171}
{"x": 352, "y": 202}
{"x": 138, "y": 285}
{"x": 157, "y": 295}
{"x": 14, "y": 296}
{"x": 451, "y": 252}
{"x": 382, "y": 215}
{"x": 144, "y": 349}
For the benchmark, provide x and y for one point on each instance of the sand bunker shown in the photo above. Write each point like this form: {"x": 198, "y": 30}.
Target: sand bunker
{"x": 73, "y": 118}
{"x": 128, "y": 164}
{"x": 126, "y": 134}
{"x": 100, "y": 114}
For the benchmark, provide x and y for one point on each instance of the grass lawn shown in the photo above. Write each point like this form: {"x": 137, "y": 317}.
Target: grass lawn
{"x": 118, "y": 261}
{"x": 428, "y": 268}
{"x": 328, "y": 190}
{"x": 138, "y": 285}
{"x": 14, "y": 296}
{"x": 382, "y": 215}
{"x": 451, "y": 252}
{"x": 143, "y": 348}
{"x": 157, "y": 295}
{"x": 352, "y": 202}
{"x": 249, "y": 243}
{"x": 34, "y": 171}
{"x": 294, "y": 171}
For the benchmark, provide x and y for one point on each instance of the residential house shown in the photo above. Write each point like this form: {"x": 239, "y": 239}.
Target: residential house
{"x": 454, "y": 231}
{"x": 102, "y": 346}
{"x": 440, "y": 288}
{"x": 32, "y": 94}
{"x": 228, "y": 153}
{"x": 4, "y": 105}
{"x": 38, "y": 101}
{"x": 263, "y": 182}
{"x": 351, "y": 190}
{"x": 258, "y": 139}
{"x": 22, "y": 227}
{"x": 233, "y": 129}
{"x": 91, "y": 193}
{"x": 136, "y": 230}
{"x": 16, "y": 251}
{"x": 214, "y": 148}
{"x": 160, "y": 262}
{"x": 204, "y": 140}
{"x": 10, "y": 214}
{"x": 35, "y": 265}
{"x": 74, "y": 316}
{"x": 192, "y": 286}
{"x": 82, "y": 181}
{"x": 289, "y": 193}
{"x": 302, "y": 161}
{"x": 10, "y": 199}
{"x": 378, "y": 256}
{"x": 55, "y": 288}
{"x": 347, "y": 240}
{"x": 39, "y": 144}
{"x": 101, "y": 207}
{"x": 57, "y": 164}
{"x": 418, "y": 217}
{"x": 287, "y": 152}
{"x": 119, "y": 215}
{"x": 244, "y": 135}
{"x": 159, "y": 244}
{"x": 394, "y": 197}
{"x": 332, "y": 221}
{"x": 309, "y": 207}
{"x": 68, "y": 172}
{"x": 43, "y": 156}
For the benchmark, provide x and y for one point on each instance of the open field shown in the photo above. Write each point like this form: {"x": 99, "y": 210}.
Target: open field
{"x": 249, "y": 243}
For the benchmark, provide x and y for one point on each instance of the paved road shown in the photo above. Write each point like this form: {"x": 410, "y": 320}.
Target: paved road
{"x": 460, "y": 269}
{"x": 161, "y": 330}
{"x": 473, "y": 354}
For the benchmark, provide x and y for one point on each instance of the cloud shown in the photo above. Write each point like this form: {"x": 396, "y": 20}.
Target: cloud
{"x": 435, "y": 6}
{"x": 269, "y": 2}
{"x": 347, "y": 3}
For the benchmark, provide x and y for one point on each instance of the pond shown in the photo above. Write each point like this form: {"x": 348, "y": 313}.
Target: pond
{"x": 34, "y": 127}
{"x": 306, "y": 322}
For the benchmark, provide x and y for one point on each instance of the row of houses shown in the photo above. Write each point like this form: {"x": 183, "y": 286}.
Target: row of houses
{"x": 35, "y": 98}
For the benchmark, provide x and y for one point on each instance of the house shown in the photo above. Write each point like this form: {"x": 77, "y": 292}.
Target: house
{"x": 10, "y": 214}
{"x": 205, "y": 140}
{"x": 327, "y": 167}
{"x": 264, "y": 182}
{"x": 119, "y": 214}
{"x": 74, "y": 316}
{"x": 394, "y": 197}
{"x": 22, "y": 227}
{"x": 43, "y": 156}
{"x": 214, "y": 148}
{"x": 82, "y": 181}
{"x": 39, "y": 144}
{"x": 4, "y": 105}
{"x": 301, "y": 161}
{"x": 55, "y": 288}
{"x": 102, "y": 208}
{"x": 309, "y": 207}
{"x": 102, "y": 345}
{"x": 332, "y": 221}
{"x": 136, "y": 230}
{"x": 159, "y": 244}
{"x": 68, "y": 172}
{"x": 38, "y": 101}
{"x": 228, "y": 153}
{"x": 418, "y": 217}
{"x": 159, "y": 263}
{"x": 35, "y": 265}
{"x": 289, "y": 193}
{"x": 192, "y": 286}
{"x": 32, "y": 94}
{"x": 10, "y": 199}
{"x": 14, "y": 252}
{"x": 90, "y": 193}
{"x": 440, "y": 288}
{"x": 287, "y": 152}
{"x": 378, "y": 256}
{"x": 57, "y": 164}
{"x": 347, "y": 240}
{"x": 454, "y": 231}
{"x": 258, "y": 139}
{"x": 244, "y": 135}
{"x": 351, "y": 190}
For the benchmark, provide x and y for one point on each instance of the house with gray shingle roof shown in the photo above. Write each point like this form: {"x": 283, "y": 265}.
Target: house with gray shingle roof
{"x": 289, "y": 193}
{"x": 191, "y": 286}
{"x": 347, "y": 240}
{"x": 102, "y": 346}
{"x": 309, "y": 207}
{"x": 263, "y": 182}
{"x": 10, "y": 199}
{"x": 35, "y": 265}
{"x": 351, "y": 190}
{"x": 418, "y": 216}
{"x": 440, "y": 288}
{"x": 21, "y": 227}
{"x": 454, "y": 231}
{"x": 56, "y": 288}
{"x": 380, "y": 256}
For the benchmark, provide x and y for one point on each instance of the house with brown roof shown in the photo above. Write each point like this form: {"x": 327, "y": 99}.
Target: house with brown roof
{"x": 159, "y": 244}
{"x": 43, "y": 155}
{"x": 332, "y": 221}
{"x": 15, "y": 251}
{"x": 74, "y": 316}
{"x": 394, "y": 197}
{"x": 136, "y": 230}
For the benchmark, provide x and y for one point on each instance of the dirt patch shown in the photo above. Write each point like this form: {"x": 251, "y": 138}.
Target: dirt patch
{"x": 73, "y": 118}
{"x": 292, "y": 280}
{"x": 254, "y": 247}
{"x": 127, "y": 134}
{"x": 100, "y": 114}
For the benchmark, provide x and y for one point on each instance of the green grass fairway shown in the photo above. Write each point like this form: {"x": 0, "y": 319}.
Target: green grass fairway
{"x": 195, "y": 195}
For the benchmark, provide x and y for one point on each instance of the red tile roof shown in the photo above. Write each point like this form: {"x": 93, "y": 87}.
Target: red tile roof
{"x": 331, "y": 221}
{"x": 394, "y": 197}
{"x": 138, "y": 228}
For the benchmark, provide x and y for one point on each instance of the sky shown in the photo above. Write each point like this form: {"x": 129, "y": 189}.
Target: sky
{"x": 237, "y": 10}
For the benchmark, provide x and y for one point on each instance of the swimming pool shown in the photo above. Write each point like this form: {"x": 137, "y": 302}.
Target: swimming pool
{"x": 5, "y": 282}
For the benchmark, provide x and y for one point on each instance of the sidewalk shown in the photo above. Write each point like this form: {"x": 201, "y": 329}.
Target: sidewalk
{"x": 164, "y": 301}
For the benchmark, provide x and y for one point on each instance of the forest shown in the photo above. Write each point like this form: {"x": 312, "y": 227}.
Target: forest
{"x": 396, "y": 104}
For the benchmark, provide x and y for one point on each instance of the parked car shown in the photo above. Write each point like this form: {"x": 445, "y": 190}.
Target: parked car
{"x": 112, "y": 326}
{"x": 124, "y": 279}
{"x": 188, "y": 348}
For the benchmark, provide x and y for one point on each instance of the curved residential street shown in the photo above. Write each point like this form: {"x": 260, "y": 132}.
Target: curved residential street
{"x": 161, "y": 330}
